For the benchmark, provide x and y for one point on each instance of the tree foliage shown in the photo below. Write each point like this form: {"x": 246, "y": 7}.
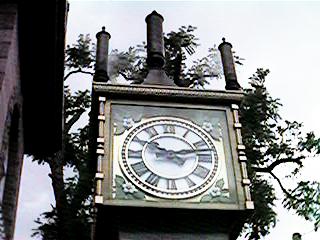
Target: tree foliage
{"x": 270, "y": 141}
{"x": 71, "y": 217}
{"x": 179, "y": 45}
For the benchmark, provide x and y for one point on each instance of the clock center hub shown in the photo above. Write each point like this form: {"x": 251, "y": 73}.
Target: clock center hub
{"x": 165, "y": 159}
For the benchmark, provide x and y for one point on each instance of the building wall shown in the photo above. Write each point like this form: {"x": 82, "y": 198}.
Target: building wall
{"x": 11, "y": 139}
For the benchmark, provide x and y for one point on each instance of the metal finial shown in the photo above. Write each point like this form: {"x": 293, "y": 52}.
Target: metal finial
{"x": 223, "y": 39}
{"x": 103, "y": 28}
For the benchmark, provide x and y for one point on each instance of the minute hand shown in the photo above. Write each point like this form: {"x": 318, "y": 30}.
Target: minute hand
{"x": 186, "y": 151}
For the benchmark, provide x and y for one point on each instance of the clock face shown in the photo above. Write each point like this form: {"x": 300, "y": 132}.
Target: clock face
{"x": 169, "y": 157}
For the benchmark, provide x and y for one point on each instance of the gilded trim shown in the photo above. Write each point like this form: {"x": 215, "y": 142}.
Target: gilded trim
{"x": 167, "y": 91}
{"x": 242, "y": 158}
{"x": 100, "y": 151}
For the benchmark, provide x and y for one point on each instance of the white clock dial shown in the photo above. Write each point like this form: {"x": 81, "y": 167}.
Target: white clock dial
{"x": 170, "y": 158}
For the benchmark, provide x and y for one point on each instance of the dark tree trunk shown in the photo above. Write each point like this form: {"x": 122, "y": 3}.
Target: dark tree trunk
{"x": 56, "y": 175}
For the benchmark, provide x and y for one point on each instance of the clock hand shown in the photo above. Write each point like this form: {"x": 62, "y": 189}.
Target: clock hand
{"x": 164, "y": 153}
{"x": 153, "y": 145}
{"x": 187, "y": 151}
{"x": 143, "y": 142}
{"x": 170, "y": 155}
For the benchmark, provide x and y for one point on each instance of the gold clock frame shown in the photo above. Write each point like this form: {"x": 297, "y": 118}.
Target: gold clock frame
{"x": 106, "y": 94}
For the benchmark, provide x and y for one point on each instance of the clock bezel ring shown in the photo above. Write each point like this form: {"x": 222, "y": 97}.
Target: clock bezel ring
{"x": 169, "y": 193}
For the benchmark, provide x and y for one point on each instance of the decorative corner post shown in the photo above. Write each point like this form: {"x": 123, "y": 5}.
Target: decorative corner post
{"x": 229, "y": 70}
{"x": 155, "y": 51}
{"x": 101, "y": 67}
{"x": 100, "y": 151}
{"x": 242, "y": 157}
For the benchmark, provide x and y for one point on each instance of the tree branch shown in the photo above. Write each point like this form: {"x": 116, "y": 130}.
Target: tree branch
{"x": 77, "y": 71}
{"x": 280, "y": 184}
{"x": 278, "y": 162}
{"x": 284, "y": 190}
{"x": 73, "y": 120}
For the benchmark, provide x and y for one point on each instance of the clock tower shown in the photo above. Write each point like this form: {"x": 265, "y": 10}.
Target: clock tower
{"x": 170, "y": 160}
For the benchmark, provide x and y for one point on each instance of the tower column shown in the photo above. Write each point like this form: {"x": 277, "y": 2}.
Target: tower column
{"x": 101, "y": 67}
{"x": 229, "y": 70}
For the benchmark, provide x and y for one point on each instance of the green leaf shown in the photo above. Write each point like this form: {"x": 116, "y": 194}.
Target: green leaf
{"x": 138, "y": 195}
{"x": 129, "y": 196}
{"x": 120, "y": 194}
{"x": 206, "y": 198}
{"x": 119, "y": 181}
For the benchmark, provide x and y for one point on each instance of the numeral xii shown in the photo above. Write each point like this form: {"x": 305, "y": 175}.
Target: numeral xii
{"x": 169, "y": 129}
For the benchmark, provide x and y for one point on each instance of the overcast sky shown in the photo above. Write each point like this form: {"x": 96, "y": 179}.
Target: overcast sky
{"x": 281, "y": 36}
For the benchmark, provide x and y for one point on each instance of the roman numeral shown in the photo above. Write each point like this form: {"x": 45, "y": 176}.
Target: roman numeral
{"x": 151, "y": 131}
{"x": 204, "y": 157}
{"x": 186, "y": 133}
{"x": 153, "y": 179}
{"x": 139, "y": 168}
{"x": 189, "y": 182}
{"x": 171, "y": 184}
{"x": 169, "y": 129}
{"x": 134, "y": 154}
{"x": 201, "y": 171}
{"x": 200, "y": 144}
{"x": 138, "y": 140}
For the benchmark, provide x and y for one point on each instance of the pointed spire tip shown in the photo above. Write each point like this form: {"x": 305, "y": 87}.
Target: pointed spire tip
{"x": 154, "y": 13}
